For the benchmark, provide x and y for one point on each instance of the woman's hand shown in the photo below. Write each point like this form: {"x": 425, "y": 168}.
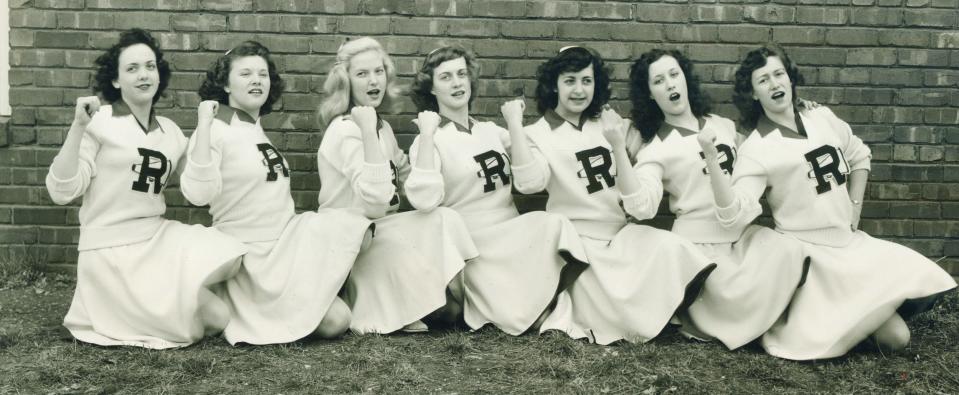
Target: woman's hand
{"x": 206, "y": 111}
{"x": 614, "y": 127}
{"x": 513, "y": 113}
{"x": 427, "y": 122}
{"x": 364, "y": 117}
{"x": 86, "y": 107}
{"x": 707, "y": 141}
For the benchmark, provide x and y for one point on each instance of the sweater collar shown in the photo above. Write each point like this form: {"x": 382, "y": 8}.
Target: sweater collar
{"x": 459, "y": 127}
{"x": 121, "y": 109}
{"x": 667, "y": 128}
{"x": 225, "y": 114}
{"x": 555, "y": 120}
{"x": 765, "y": 126}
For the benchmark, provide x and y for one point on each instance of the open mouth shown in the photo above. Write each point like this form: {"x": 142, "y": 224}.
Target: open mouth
{"x": 255, "y": 91}
{"x": 144, "y": 86}
{"x": 778, "y": 95}
{"x": 578, "y": 100}
{"x": 459, "y": 94}
{"x": 373, "y": 92}
{"x": 674, "y": 97}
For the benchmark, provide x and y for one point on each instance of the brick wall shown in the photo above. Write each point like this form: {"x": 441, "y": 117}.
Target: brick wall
{"x": 888, "y": 67}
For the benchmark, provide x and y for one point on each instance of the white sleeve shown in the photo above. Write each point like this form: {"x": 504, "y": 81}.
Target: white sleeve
{"x": 372, "y": 183}
{"x": 645, "y": 202}
{"x": 200, "y": 183}
{"x": 533, "y": 176}
{"x": 425, "y": 189}
{"x": 749, "y": 183}
{"x": 855, "y": 151}
{"x": 64, "y": 191}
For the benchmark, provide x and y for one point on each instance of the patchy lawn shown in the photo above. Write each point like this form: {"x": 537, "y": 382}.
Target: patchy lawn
{"x": 38, "y": 356}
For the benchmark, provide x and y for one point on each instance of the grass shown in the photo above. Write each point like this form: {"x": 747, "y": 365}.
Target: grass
{"x": 38, "y": 356}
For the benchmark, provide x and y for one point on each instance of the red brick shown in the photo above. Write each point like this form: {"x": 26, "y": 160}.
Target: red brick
{"x": 892, "y": 77}
{"x": 822, "y": 16}
{"x": 662, "y": 13}
{"x": 400, "y": 7}
{"x": 442, "y": 7}
{"x": 818, "y": 56}
{"x": 85, "y": 20}
{"x": 852, "y": 37}
{"x": 174, "y": 4}
{"x": 335, "y": 6}
{"x": 59, "y": 4}
{"x": 36, "y": 57}
{"x": 948, "y": 78}
{"x": 723, "y": 13}
{"x": 498, "y": 8}
{"x": 904, "y": 153}
{"x": 771, "y": 14}
{"x": 553, "y": 9}
{"x": 226, "y": 5}
{"x": 499, "y": 48}
{"x": 940, "y": 192}
{"x": 744, "y": 34}
{"x": 931, "y": 18}
{"x": 887, "y": 191}
{"x": 946, "y": 40}
{"x": 365, "y": 25}
{"x": 473, "y": 28}
{"x": 56, "y": 39}
{"x": 179, "y": 41}
{"x": 692, "y": 33}
{"x": 35, "y": 97}
{"x": 199, "y": 22}
{"x": 152, "y": 20}
{"x": 931, "y": 154}
{"x": 528, "y": 29}
{"x": 32, "y": 18}
{"x": 886, "y": 227}
{"x": 21, "y": 38}
{"x": 411, "y": 26}
{"x": 936, "y": 229}
{"x": 609, "y": 11}
{"x": 18, "y": 234}
{"x": 877, "y": 17}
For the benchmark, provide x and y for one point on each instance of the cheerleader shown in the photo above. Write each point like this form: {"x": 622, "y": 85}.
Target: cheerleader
{"x": 297, "y": 263}
{"x": 685, "y": 149}
{"x": 408, "y": 271}
{"x": 463, "y": 164}
{"x": 142, "y": 280}
{"x": 816, "y": 171}
{"x": 638, "y": 276}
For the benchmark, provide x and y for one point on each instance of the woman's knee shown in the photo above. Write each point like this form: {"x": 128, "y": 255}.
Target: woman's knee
{"x": 336, "y": 321}
{"x": 893, "y": 334}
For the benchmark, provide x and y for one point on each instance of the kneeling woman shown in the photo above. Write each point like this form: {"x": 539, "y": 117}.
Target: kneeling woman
{"x": 142, "y": 280}
{"x": 690, "y": 154}
{"x": 297, "y": 263}
{"x": 816, "y": 171}
{"x": 408, "y": 270}
{"x": 638, "y": 276}
{"x": 464, "y": 165}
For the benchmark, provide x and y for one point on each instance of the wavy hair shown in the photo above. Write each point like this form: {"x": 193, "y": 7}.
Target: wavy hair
{"x": 423, "y": 81}
{"x": 571, "y": 60}
{"x": 647, "y": 116}
{"x": 218, "y": 75}
{"x": 108, "y": 65}
{"x": 339, "y": 99}
{"x": 749, "y": 109}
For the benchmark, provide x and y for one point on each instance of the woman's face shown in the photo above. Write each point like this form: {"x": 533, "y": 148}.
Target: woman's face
{"x": 451, "y": 85}
{"x": 667, "y": 86}
{"x": 367, "y": 78}
{"x": 575, "y": 91}
{"x": 772, "y": 87}
{"x": 249, "y": 84}
{"x": 138, "y": 77}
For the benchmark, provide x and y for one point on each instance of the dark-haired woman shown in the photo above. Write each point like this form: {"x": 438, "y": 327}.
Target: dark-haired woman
{"x": 689, "y": 153}
{"x": 638, "y": 276}
{"x": 412, "y": 269}
{"x": 142, "y": 280}
{"x": 463, "y": 164}
{"x": 297, "y": 263}
{"x": 816, "y": 169}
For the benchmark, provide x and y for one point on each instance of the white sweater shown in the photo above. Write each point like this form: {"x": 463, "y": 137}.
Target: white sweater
{"x": 673, "y": 161}
{"x": 247, "y": 183}
{"x": 472, "y": 172}
{"x": 348, "y": 181}
{"x": 121, "y": 174}
{"x": 575, "y": 165}
{"x": 806, "y": 176}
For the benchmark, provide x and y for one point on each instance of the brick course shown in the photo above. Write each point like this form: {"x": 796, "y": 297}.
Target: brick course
{"x": 888, "y": 67}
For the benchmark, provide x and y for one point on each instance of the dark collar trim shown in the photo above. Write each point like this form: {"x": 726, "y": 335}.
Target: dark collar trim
{"x": 555, "y": 120}
{"x": 379, "y": 121}
{"x": 121, "y": 109}
{"x": 765, "y": 126}
{"x": 465, "y": 129}
{"x": 225, "y": 114}
{"x": 667, "y": 128}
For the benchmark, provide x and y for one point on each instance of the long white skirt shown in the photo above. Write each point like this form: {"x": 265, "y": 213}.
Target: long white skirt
{"x": 849, "y": 292}
{"x": 517, "y": 273}
{"x": 287, "y": 285}
{"x": 637, "y": 279}
{"x": 753, "y": 283}
{"x": 402, "y": 276}
{"x": 155, "y": 293}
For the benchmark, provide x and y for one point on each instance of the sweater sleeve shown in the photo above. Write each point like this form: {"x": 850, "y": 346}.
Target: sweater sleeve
{"x": 200, "y": 183}
{"x": 425, "y": 188}
{"x": 749, "y": 183}
{"x": 645, "y": 203}
{"x": 372, "y": 183}
{"x": 532, "y": 177}
{"x": 856, "y": 152}
{"x": 63, "y": 191}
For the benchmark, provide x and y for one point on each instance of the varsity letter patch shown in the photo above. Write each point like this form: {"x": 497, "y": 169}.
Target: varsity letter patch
{"x": 273, "y": 161}
{"x": 396, "y": 196}
{"x": 597, "y": 168}
{"x": 493, "y": 166}
{"x": 152, "y": 170}
{"x": 827, "y": 163}
{"x": 727, "y": 156}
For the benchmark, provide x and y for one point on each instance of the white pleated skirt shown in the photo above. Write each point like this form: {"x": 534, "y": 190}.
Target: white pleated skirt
{"x": 402, "y": 276}
{"x": 753, "y": 283}
{"x": 849, "y": 292}
{"x": 638, "y": 277}
{"x": 157, "y": 293}
{"x": 286, "y": 286}
{"x": 517, "y": 272}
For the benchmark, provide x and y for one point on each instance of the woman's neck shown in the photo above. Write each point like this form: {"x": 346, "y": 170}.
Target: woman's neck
{"x": 460, "y": 116}
{"x": 572, "y": 117}
{"x": 685, "y": 120}
{"x": 140, "y": 111}
{"x": 786, "y": 118}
